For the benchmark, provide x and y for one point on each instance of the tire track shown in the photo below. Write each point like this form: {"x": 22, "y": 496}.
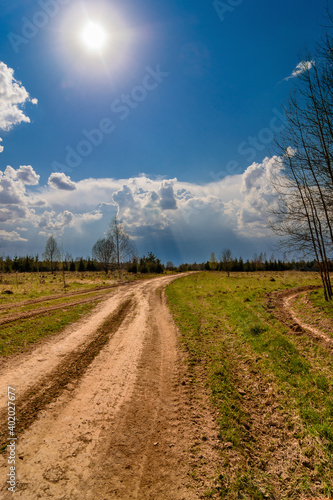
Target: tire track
{"x": 72, "y": 367}
{"x": 315, "y": 332}
{"x": 55, "y": 297}
{"x": 281, "y": 302}
{"x": 97, "y": 439}
{"x": 46, "y": 310}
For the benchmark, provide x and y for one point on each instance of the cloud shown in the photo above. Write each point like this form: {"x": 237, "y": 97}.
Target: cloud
{"x": 25, "y": 174}
{"x": 125, "y": 200}
{"x": 61, "y": 181}
{"x": 157, "y": 212}
{"x": 10, "y": 236}
{"x": 55, "y": 222}
{"x": 15, "y": 201}
{"x": 12, "y": 97}
{"x": 1, "y": 147}
{"x": 253, "y": 213}
{"x": 168, "y": 201}
{"x": 301, "y": 67}
{"x": 290, "y": 152}
{"x": 11, "y": 192}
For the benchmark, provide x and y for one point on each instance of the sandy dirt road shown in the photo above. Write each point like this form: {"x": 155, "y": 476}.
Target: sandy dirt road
{"x": 102, "y": 411}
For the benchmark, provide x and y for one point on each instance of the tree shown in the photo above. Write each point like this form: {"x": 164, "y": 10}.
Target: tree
{"x": 213, "y": 261}
{"x": 226, "y": 260}
{"x": 303, "y": 214}
{"x": 104, "y": 251}
{"x": 150, "y": 264}
{"x": 133, "y": 267}
{"x": 51, "y": 253}
{"x": 65, "y": 259}
{"x": 81, "y": 267}
{"x": 123, "y": 247}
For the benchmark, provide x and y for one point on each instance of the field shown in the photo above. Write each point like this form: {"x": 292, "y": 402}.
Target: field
{"x": 270, "y": 381}
{"x": 36, "y": 305}
{"x": 235, "y": 404}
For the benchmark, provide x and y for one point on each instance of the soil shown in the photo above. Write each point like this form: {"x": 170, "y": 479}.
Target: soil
{"x": 108, "y": 409}
{"x": 105, "y": 409}
{"x": 281, "y": 303}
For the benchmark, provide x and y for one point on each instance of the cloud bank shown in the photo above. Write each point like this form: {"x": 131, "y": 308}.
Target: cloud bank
{"x": 180, "y": 220}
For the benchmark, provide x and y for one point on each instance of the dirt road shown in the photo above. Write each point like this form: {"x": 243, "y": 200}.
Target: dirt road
{"x": 104, "y": 411}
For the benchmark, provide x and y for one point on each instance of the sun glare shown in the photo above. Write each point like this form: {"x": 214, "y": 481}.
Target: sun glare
{"x": 94, "y": 36}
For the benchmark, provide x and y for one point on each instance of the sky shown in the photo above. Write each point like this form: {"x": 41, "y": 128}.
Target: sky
{"x": 163, "y": 113}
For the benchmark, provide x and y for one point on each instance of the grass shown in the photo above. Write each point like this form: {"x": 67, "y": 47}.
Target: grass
{"x": 257, "y": 371}
{"x": 318, "y": 301}
{"x": 19, "y": 336}
{"x": 27, "y": 286}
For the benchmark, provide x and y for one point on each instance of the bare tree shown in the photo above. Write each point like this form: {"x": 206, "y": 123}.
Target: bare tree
{"x": 304, "y": 208}
{"x": 104, "y": 251}
{"x": 170, "y": 266}
{"x": 226, "y": 259}
{"x": 123, "y": 247}
{"x": 51, "y": 253}
{"x": 213, "y": 261}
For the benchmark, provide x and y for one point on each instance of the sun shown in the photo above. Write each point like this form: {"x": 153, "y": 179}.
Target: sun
{"x": 94, "y": 36}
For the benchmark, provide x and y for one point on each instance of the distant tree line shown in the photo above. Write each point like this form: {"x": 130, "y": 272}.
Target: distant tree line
{"x": 152, "y": 265}
{"x": 116, "y": 253}
{"x": 32, "y": 264}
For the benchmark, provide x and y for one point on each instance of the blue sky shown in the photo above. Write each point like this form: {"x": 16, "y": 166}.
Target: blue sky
{"x": 169, "y": 125}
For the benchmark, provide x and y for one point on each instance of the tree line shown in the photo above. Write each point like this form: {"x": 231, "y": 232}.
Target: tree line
{"x": 151, "y": 264}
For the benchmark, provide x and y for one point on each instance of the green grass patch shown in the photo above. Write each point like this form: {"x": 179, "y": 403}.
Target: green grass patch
{"x": 225, "y": 325}
{"x": 317, "y": 299}
{"x": 19, "y": 336}
{"x": 27, "y": 286}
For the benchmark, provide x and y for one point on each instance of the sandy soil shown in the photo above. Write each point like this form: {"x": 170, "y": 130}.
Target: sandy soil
{"x": 282, "y": 303}
{"x": 316, "y": 332}
{"x": 108, "y": 414}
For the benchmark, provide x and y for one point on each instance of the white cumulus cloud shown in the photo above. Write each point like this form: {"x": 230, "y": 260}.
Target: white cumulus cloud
{"x": 10, "y": 236}
{"x": 25, "y": 174}
{"x": 61, "y": 181}
{"x": 197, "y": 218}
{"x": 13, "y": 96}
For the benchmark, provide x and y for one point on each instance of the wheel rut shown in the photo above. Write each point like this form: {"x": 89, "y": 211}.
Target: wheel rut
{"x": 72, "y": 367}
{"x": 110, "y": 420}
